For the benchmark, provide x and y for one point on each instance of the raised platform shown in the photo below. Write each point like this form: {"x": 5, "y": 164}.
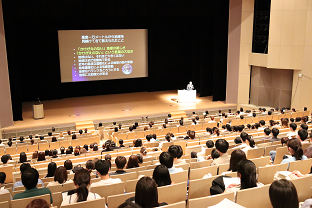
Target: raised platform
{"x": 107, "y": 108}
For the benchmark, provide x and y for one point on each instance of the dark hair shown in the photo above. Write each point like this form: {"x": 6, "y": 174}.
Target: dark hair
{"x": 54, "y": 139}
{"x": 248, "y": 126}
{"x": 102, "y": 166}
{"x": 254, "y": 114}
{"x": 284, "y": 140}
{"x": 292, "y": 119}
{"x": 222, "y": 145}
{"x": 180, "y": 154}
{"x": 71, "y": 148}
{"x": 283, "y": 194}
{"x": 120, "y": 141}
{"x": 62, "y": 150}
{"x": 130, "y": 128}
{"x": 303, "y": 134}
{"x": 30, "y": 178}
{"x": 240, "y": 128}
{"x": 143, "y": 151}
{"x": 209, "y": 144}
{"x": 236, "y": 156}
{"x": 193, "y": 154}
{"x": 2, "y": 177}
{"x": 68, "y": 164}
{"x": 129, "y": 204}
{"x": 10, "y": 143}
{"x": 24, "y": 167}
{"x": 90, "y": 165}
{"x": 140, "y": 158}
{"x": 22, "y": 138}
{"x": 86, "y": 147}
{"x": 41, "y": 156}
{"x": 146, "y": 194}
{"x": 100, "y": 124}
{"x": 237, "y": 140}
{"x": 35, "y": 155}
{"x": 51, "y": 169}
{"x": 138, "y": 143}
{"x": 32, "y": 141}
{"x": 38, "y": 203}
{"x": 244, "y": 136}
{"x": 49, "y": 133}
{"x": 167, "y": 137}
{"x": 304, "y": 126}
{"x": 251, "y": 141}
{"x": 108, "y": 158}
{"x": 41, "y": 137}
{"x": 76, "y": 152}
{"x": 267, "y": 131}
{"x": 275, "y": 132}
{"x": 46, "y": 152}
{"x": 80, "y": 131}
{"x": 192, "y": 134}
{"x": 120, "y": 162}
{"x": 74, "y": 136}
{"x": 293, "y": 126}
{"x": 247, "y": 170}
{"x": 68, "y": 152}
{"x": 173, "y": 150}
{"x": 116, "y": 129}
{"x": 133, "y": 162}
{"x": 166, "y": 158}
{"x": 60, "y": 175}
{"x": 295, "y": 145}
{"x": 82, "y": 179}
{"x": 215, "y": 154}
{"x": 209, "y": 130}
{"x": 161, "y": 176}
{"x": 149, "y": 137}
{"x": 23, "y": 157}
{"x": 95, "y": 147}
{"x": 241, "y": 117}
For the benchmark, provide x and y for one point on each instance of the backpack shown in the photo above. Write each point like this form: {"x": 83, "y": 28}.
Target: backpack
{"x": 218, "y": 186}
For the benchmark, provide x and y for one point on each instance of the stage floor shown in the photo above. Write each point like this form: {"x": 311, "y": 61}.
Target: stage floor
{"x": 105, "y": 107}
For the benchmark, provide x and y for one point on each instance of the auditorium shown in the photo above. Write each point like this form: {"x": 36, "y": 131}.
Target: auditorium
{"x": 174, "y": 104}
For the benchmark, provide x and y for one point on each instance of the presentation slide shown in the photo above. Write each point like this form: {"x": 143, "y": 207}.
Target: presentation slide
{"x": 87, "y": 55}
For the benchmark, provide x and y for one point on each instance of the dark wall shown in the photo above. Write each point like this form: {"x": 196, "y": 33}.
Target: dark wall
{"x": 187, "y": 40}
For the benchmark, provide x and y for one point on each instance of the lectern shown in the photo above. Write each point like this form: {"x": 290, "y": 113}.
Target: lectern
{"x": 38, "y": 111}
{"x": 187, "y": 96}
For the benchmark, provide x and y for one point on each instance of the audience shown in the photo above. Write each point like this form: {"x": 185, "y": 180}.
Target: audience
{"x": 133, "y": 162}
{"x": 294, "y": 148}
{"x": 103, "y": 167}
{"x": 69, "y": 166}
{"x": 51, "y": 169}
{"x": 120, "y": 163}
{"x": 221, "y": 147}
{"x": 161, "y": 176}
{"x": 275, "y": 133}
{"x": 166, "y": 159}
{"x": 176, "y": 151}
{"x": 90, "y": 165}
{"x": 24, "y": 167}
{"x": 60, "y": 177}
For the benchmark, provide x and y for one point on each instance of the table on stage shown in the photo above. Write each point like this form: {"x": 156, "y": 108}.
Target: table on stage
{"x": 187, "y": 96}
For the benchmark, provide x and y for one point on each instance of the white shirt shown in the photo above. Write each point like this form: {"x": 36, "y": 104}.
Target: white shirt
{"x": 175, "y": 170}
{"x": 54, "y": 183}
{"x": 289, "y": 135}
{"x": 243, "y": 145}
{"x": 106, "y": 182}
{"x": 4, "y": 191}
{"x": 71, "y": 199}
{"x": 248, "y": 148}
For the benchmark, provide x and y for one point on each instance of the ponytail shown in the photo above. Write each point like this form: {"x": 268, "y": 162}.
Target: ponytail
{"x": 298, "y": 153}
{"x": 295, "y": 145}
{"x": 247, "y": 169}
{"x": 252, "y": 143}
{"x": 82, "y": 179}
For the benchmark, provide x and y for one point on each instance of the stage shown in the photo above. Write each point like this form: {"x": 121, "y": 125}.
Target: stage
{"x": 112, "y": 107}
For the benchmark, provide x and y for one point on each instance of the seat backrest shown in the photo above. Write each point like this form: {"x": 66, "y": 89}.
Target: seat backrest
{"x": 61, "y": 187}
{"x": 182, "y": 143}
{"x": 115, "y": 200}
{"x": 6, "y": 198}
{"x": 182, "y": 129}
{"x": 199, "y": 173}
{"x": 9, "y": 173}
{"x": 174, "y": 130}
{"x": 303, "y": 187}
{"x": 166, "y": 145}
{"x": 57, "y": 199}
{"x": 130, "y": 185}
{"x": 270, "y": 148}
{"x": 184, "y": 166}
{"x": 255, "y": 153}
{"x": 18, "y": 203}
{"x": 266, "y": 174}
{"x": 172, "y": 193}
{"x": 125, "y": 177}
{"x": 175, "y": 205}
{"x": 202, "y": 164}
{"x": 261, "y": 197}
{"x": 179, "y": 177}
{"x": 10, "y": 150}
{"x": 146, "y": 172}
{"x": 108, "y": 190}
{"x": 261, "y": 162}
{"x": 44, "y": 146}
{"x": 209, "y": 200}
{"x": 304, "y": 166}
{"x": 223, "y": 168}
{"x": 130, "y": 170}
{"x": 96, "y": 203}
{"x": 4, "y": 204}
{"x": 200, "y": 187}
{"x": 280, "y": 152}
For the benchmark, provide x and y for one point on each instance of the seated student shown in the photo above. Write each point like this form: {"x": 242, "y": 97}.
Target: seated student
{"x": 51, "y": 169}
{"x": 103, "y": 167}
{"x": 2, "y": 180}
{"x": 302, "y": 136}
{"x": 21, "y": 139}
{"x": 150, "y": 138}
{"x": 133, "y": 162}
{"x": 82, "y": 181}
{"x": 146, "y": 194}
{"x": 221, "y": 146}
{"x": 214, "y": 154}
{"x": 275, "y": 133}
{"x": 138, "y": 142}
{"x": 168, "y": 139}
{"x": 267, "y": 132}
{"x": 246, "y": 171}
{"x": 23, "y": 157}
{"x": 262, "y": 125}
{"x": 161, "y": 176}
{"x": 90, "y": 165}
{"x": 236, "y": 156}
{"x": 243, "y": 137}
{"x": 175, "y": 151}
{"x": 120, "y": 163}
{"x": 293, "y": 132}
{"x": 294, "y": 147}
{"x": 30, "y": 178}
{"x": 23, "y": 168}
{"x": 304, "y": 126}
{"x": 69, "y": 166}
{"x": 283, "y": 194}
{"x": 166, "y": 159}
{"x": 121, "y": 143}
{"x": 60, "y": 177}
{"x": 250, "y": 144}
{"x": 5, "y": 159}
{"x": 107, "y": 146}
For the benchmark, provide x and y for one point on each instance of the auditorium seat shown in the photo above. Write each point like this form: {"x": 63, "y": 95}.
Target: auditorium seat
{"x": 18, "y": 203}
{"x": 223, "y": 168}
{"x": 115, "y": 200}
{"x": 202, "y": 164}
{"x": 125, "y": 177}
{"x": 200, "y": 187}
{"x": 179, "y": 177}
{"x": 303, "y": 187}
{"x": 96, "y": 203}
{"x": 280, "y": 152}
{"x": 6, "y": 197}
{"x": 204, "y": 202}
{"x": 109, "y": 190}
{"x": 173, "y": 193}
{"x": 175, "y": 205}
{"x": 255, "y": 153}
{"x": 266, "y": 174}
{"x": 199, "y": 173}
{"x": 304, "y": 166}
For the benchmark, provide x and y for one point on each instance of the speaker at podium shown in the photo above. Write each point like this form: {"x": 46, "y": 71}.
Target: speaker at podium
{"x": 38, "y": 110}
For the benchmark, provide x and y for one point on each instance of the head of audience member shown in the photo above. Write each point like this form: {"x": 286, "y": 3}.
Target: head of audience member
{"x": 80, "y": 131}
{"x": 146, "y": 193}
{"x": 236, "y": 156}
{"x": 82, "y": 181}
{"x": 194, "y": 121}
{"x": 2, "y": 178}
{"x": 174, "y": 151}
{"x": 119, "y": 126}
{"x": 168, "y": 138}
{"x": 302, "y": 134}
{"x": 86, "y": 147}
{"x": 237, "y": 140}
{"x": 292, "y": 120}
{"x": 267, "y": 132}
{"x": 209, "y": 144}
{"x": 41, "y": 137}
{"x": 192, "y": 135}
{"x": 46, "y": 152}
{"x": 304, "y": 126}
{"x": 161, "y": 176}
{"x": 243, "y": 136}
{"x": 254, "y": 114}
{"x": 71, "y": 148}
{"x": 129, "y": 204}
{"x": 30, "y": 178}
{"x": 23, "y": 157}
{"x": 74, "y": 136}
{"x": 294, "y": 148}
{"x": 95, "y": 147}
{"x": 240, "y": 128}
{"x": 164, "y": 126}
{"x": 140, "y": 158}
{"x": 120, "y": 162}
{"x": 248, "y": 126}
{"x": 51, "y": 169}
{"x": 143, "y": 151}
{"x": 284, "y": 140}
{"x": 121, "y": 143}
{"x": 180, "y": 154}
{"x": 68, "y": 165}
{"x": 116, "y": 129}
{"x": 102, "y": 167}
{"x": 108, "y": 158}
{"x": 22, "y": 138}
{"x": 35, "y": 155}
{"x": 193, "y": 154}
{"x": 215, "y": 154}
{"x": 241, "y": 117}
{"x": 246, "y": 170}
{"x": 149, "y": 137}
{"x": 49, "y": 133}
{"x": 138, "y": 143}
{"x": 62, "y": 150}
{"x": 41, "y": 156}
{"x": 304, "y": 119}
{"x": 10, "y": 143}
{"x": 222, "y": 146}
{"x": 166, "y": 159}
{"x": 283, "y": 194}
{"x": 262, "y": 123}
{"x": 76, "y": 152}
{"x": 293, "y": 127}
{"x": 131, "y": 128}
{"x": 68, "y": 152}
{"x": 38, "y": 203}
{"x": 275, "y": 132}
{"x": 54, "y": 139}
{"x": 69, "y": 132}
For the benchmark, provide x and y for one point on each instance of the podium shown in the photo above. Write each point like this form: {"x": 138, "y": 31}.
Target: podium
{"x": 187, "y": 96}
{"x": 38, "y": 111}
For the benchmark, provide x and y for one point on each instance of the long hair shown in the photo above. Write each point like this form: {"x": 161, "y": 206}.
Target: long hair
{"x": 51, "y": 169}
{"x": 60, "y": 175}
{"x": 146, "y": 194}
{"x": 161, "y": 176}
{"x": 251, "y": 141}
{"x": 236, "y": 156}
{"x": 23, "y": 157}
{"x": 82, "y": 179}
{"x": 133, "y": 162}
{"x": 247, "y": 170}
{"x": 283, "y": 194}
{"x": 295, "y": 145}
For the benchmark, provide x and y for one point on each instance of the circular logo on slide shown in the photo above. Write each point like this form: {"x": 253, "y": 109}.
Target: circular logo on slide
{"x": 127, "y": 69}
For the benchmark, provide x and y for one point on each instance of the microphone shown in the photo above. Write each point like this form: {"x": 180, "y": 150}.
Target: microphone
{"x": 39, "y": 100}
